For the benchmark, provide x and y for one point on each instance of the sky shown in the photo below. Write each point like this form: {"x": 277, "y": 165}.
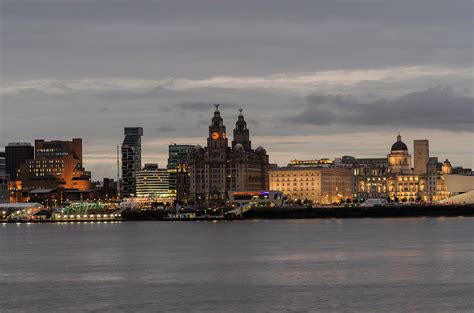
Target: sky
{"x": 315, "y": 78}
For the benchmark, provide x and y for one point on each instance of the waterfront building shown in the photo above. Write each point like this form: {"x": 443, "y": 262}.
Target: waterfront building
{"x": 131, "y": 159}
{"x": 217, "y": 169}
{"x": 17, "y": 153}
{"x": 370, "y": 175}
{"x": 421, "y": 155}
{"x": 399, "y": 160}
{"x": 315, "y": 184}
{"x": 393, "y": 179}
{"x": 177, "y": 168}
{"x": 57, "y": 164}
{"x": 152, "y": 182}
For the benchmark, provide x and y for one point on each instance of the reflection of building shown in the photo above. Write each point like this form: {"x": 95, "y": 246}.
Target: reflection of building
{"x": 152, "y": 182}
{"x": 177, "y": 164}
{"x": 399, "y": 160}
{"x": 131, "y": 158}
{"x": 319, "y": 185}
{"x": 16, "y": 154}
{"x": 217, "y": 169}
{"x": 57, "y": 164}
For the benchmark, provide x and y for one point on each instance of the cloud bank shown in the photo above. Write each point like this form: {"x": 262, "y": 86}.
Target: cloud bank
{"x": 434, "y": 108}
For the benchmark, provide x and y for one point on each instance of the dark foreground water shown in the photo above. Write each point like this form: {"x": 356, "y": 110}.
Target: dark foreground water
{"x": 353, "y": 265}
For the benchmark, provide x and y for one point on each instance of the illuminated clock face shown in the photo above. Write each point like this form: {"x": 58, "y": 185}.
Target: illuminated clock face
{"x": 215, "y": 135}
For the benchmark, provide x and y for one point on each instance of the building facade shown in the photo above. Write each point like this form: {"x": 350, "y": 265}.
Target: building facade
{"x": 131, "y": 159}
{"x": 17, "y": 153}
{"x": 152, "y": 182}
{"x": 2, "y": 163}
{"x": 319, "y": 185}
{"x": 393, "y": 178}
{"x": 177, "y": 168}
{"x": 217, "y": 169}
{"x": 57, "y": 164}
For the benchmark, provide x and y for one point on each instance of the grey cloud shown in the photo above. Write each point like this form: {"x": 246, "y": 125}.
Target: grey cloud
{"x": 164, "y": 129}
{"x": 165, "y": 39}
{"x": 434, "y": 108}
{"x": 202, "y": 106}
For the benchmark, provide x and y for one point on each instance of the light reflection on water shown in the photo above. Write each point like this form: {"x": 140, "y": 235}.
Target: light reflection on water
{"x": 356, "y": 265}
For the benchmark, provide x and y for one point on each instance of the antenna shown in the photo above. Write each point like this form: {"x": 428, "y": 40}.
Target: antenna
{"x": 217, "y": 106}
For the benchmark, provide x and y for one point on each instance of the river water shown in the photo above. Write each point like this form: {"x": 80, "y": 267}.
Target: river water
{"x": 350, "y": 265}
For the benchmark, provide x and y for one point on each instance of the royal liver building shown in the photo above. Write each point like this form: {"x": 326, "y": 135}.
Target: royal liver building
{"x": 218, "y": 169}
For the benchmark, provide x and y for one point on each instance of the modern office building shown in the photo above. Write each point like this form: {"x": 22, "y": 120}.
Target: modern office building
{"x": 177, "y": 166}
{"x": 16, "y": 153}
{"x": 2, "y": 163}
{"x": 217, "y": 169}
{"x": 316, "y": 184}
{"x": 57, "y": 164}
{"x": 152, "y": 182}
{"x": 131, "y": 159}
{"x": 421, "y": 156}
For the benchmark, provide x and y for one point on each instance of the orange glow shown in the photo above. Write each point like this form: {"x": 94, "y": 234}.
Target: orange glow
{"x": 215, "y": 135}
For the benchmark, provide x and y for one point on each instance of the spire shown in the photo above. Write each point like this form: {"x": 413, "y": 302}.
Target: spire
{"x": 217, "y": 119}
{"x": 241, "y": 132}
{"x": 399, "y": 138}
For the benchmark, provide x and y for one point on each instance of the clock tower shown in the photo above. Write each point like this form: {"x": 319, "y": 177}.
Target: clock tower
{"x": 217, "y": 139}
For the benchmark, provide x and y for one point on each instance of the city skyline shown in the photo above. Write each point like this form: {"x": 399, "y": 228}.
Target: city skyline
{"x": 318, "y": 79}
{"x": 104, "y": 165}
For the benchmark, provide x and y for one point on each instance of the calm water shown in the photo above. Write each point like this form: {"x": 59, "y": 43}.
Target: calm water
{"x": 391, "y": 265}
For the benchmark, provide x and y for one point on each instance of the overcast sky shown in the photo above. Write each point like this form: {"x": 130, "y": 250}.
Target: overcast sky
{"x": 315, "y": 78}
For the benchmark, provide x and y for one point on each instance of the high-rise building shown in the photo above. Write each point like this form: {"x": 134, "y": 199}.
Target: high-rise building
{"x": 421, "y": 156}
{"x": 152, "y": 182}
{"x": 2, "y": 163}
{"x": 218, "y": 169}
{"x": 177, "y": 162}
{"x": 131, "y": 159}
{"x": 57, "y": 164}
{"x": 16, "y": 153}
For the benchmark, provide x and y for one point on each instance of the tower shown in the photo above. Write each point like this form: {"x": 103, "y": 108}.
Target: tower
{"x": 131, "y": 159}
{"x": 241, "y": 133}
{"x": 399, "y": 160}
{"x": 217, "y": 144}
{"x": 217, "y": 139}
{"x": 421, "y": 156}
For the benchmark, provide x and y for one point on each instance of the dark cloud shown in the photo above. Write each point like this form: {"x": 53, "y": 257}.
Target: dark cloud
{"x": 434, "y": 108}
